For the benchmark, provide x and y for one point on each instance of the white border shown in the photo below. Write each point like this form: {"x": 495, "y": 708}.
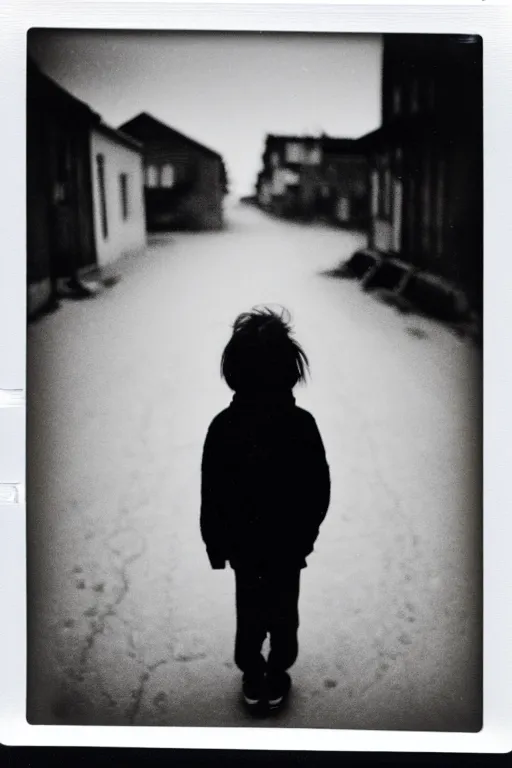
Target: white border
{"x": 490, "y": 18}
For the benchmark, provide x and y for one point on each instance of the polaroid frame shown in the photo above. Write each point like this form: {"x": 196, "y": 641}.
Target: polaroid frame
{"x": 492, "y": 19}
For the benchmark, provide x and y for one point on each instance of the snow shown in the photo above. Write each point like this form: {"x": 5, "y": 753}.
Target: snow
{"x": 128, "y": 623}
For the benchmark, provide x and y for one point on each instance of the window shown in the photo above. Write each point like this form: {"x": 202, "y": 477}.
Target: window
{"x": 123, "y": 189}
{"x": 385, "y": 189}
{"x": 151, "y": 176}
{"x": 386, "y": 207}
{"x": 100, "y": 166}
{"x": 411, "y": 210}
{"x": 397, "y": 215}
{"x": 294, "y": 153}
{"x": 291, "y": 177}
{"x": 315, "y": 156}
{"x": 375, "y": 193}
{"x": 167, "y": 175}
{"x": 275, "y": 160}
{"x": 278, "y": 182}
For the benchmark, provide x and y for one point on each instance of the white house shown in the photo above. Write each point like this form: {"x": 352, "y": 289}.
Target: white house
{"x": 118, "y": 194}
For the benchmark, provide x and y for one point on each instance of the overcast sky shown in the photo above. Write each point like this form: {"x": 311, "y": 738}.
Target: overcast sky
{"x": 225, "y": 90}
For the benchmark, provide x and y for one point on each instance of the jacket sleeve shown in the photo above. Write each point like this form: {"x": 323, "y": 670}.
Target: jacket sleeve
{"x": 211, "y": 520}
{"x": 317, "y": 489}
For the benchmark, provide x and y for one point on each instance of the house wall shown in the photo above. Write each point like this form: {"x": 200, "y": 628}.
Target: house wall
{"x": 463, "y": 226}
{"x": 433, "y": 89}
{"x": 124, "y": 235}
{"x": 38, "y": 236}
{"x": 60, "y": 238}
{"x": 207, "y": 197}
{"x": 265, "y": 193}
{"x": 195, "y": 200}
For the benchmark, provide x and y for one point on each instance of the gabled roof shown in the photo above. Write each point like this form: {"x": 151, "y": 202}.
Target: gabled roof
{"x": 52, "y": 94}
{"x": 46, "y": 88}
{"x": 145, "y": 127}
{"x": 121, "y": 137}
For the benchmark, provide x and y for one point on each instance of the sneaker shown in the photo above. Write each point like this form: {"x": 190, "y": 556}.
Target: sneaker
{"x": 253, "y": 690}
{"x": 278, "y": 687}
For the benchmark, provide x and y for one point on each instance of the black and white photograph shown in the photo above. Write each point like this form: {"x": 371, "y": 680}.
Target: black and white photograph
{"x": 254, "y": 379}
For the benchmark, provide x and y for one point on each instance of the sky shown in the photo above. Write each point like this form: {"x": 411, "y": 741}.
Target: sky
{"x": 226, "y": 90}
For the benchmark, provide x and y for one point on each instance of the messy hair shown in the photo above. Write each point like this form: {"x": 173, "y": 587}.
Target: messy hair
{"x": 261, "y": 354}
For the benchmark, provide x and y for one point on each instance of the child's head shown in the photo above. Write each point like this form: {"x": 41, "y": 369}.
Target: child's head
{"x": 261, "y": 354}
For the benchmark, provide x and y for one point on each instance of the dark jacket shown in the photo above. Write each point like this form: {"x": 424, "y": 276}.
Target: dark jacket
{"x": 265, "y": 484}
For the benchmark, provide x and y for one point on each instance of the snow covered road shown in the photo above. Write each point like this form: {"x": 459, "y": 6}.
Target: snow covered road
{"x": 128, "y": 624}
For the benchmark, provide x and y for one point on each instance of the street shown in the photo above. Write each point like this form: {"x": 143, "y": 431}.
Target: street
{"x": 128, "y": 623}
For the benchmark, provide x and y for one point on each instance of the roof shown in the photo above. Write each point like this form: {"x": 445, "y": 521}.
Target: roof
{"x": 56, "y": 91}
{"x": 145, "y": 127}
{"x": 436, "y": 49}
{"x": 120, "y": 137}
{"x": 341, "y": 146}
{"x": 329, "y": 144}
{"x": 60, "y": 93}
{"x": 417, "y": 127}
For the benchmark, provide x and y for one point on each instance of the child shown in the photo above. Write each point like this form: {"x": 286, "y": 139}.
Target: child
{"x": 265, "y": 492}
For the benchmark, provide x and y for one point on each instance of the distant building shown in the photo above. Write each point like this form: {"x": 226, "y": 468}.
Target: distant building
{"x": 60, "y": 229}
{"x": 282, "y": 186}
{"x": 426, "y": 159}
{"x": 306, "y": 177}
{"x": 118, "y": 194}
{"x": 185, "y": 182}
{"x": 345, "y": 182}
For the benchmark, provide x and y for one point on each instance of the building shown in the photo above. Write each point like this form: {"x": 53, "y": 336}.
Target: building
{"x": 307, "y": 177}
{"x": 85, "y": 205}
{"x": 283, "y": 186}
{"x": 118, "y": 194}
{"x": 60, "y": 229}
{"x": 345, "y": 182}
{"x": 426, "y": 159}
{"x": 185, "y": 182}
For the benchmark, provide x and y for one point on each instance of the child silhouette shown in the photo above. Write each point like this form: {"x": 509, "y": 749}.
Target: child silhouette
{"x": 265, "y": 491}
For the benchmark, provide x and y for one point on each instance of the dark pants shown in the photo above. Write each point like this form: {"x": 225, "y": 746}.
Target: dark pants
{"x": 266, "y": 604}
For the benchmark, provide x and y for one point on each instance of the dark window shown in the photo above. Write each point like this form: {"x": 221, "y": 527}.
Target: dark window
{"x": 387, "y": 193}
{"x": 384, "y": 189}
{"x": 123, "y": 188}
{"x": 100, "y": 164}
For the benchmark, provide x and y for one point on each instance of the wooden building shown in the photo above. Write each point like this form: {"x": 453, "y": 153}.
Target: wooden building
{"x": 427, "y": 157}
{"x": 283, "y": 186}
{"x": 118, "y": 194}
{"x": 307, "y": 177}
{"x": 345, "y": 182}
{"x": 60, "y": 231}
{"x": 85, "y": 205}
{"x": 185, "y": 182}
